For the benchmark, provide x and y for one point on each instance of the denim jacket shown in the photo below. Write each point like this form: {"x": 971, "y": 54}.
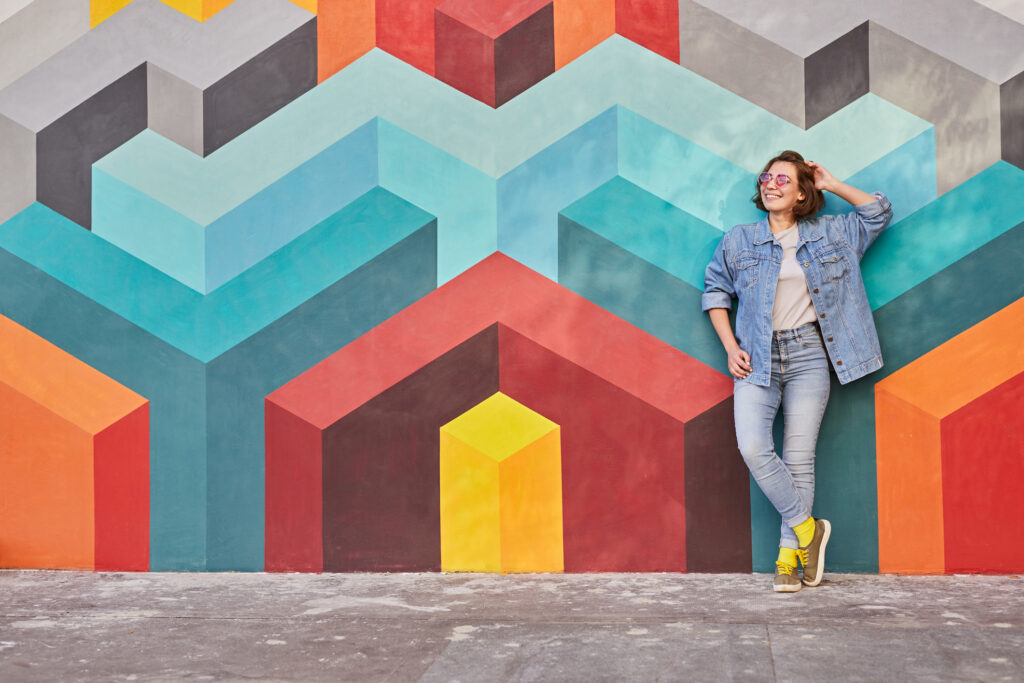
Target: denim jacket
{"x": 746, "y": 267}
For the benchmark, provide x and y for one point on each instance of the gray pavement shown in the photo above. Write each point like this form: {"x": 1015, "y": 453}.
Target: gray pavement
{"x": 80, "y": 626}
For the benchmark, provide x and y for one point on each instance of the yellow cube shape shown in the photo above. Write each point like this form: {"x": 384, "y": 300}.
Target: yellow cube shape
{"x": 501, "y": 490}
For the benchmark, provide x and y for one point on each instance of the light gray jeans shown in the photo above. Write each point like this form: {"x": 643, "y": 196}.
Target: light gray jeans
{"x": 800, "y": 383}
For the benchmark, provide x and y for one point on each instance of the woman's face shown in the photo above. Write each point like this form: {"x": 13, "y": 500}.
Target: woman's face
{"x": 778, "y": 198}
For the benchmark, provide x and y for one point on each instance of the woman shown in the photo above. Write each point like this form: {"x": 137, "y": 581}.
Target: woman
{"x": 801, "y": 307}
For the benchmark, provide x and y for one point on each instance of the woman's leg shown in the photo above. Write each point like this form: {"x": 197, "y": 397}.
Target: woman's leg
{"x": 805, "y": 387}
{"x": 755, "y": 408}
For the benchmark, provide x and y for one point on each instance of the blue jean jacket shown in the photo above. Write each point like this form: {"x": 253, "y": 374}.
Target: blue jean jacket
{"x": 746, "y": 267}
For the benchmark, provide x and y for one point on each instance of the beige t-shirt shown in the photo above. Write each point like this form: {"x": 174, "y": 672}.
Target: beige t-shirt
{"x": 793, "y": 306}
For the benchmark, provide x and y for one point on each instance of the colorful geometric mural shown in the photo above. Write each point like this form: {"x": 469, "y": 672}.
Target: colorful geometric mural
{"x": 275, "y": 276}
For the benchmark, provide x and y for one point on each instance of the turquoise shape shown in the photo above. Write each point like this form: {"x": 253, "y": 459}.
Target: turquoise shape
{"x": 206, "y": 326}
{"x": 646, "y": 225}
{"x": 936, "y": 236}
{"x": 462, "y": 197}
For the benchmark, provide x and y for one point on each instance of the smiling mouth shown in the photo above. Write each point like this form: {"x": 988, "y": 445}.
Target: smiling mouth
{"x": 772, "y": 195}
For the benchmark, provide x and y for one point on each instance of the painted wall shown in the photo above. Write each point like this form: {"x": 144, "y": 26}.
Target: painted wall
{"x": 347, "y": 285}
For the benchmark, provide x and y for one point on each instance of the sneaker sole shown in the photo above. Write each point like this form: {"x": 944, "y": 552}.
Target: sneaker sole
{"x": 788, "y": 589}
{"x": 821, "y": 555}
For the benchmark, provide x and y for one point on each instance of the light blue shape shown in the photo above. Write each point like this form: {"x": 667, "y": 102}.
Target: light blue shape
{"x": 649, "y": 227}
{"x": 462, "y": 197}
{"x": 906, "y": 175}
{"x": 531, "y": 195}
{"x": 292, "y": 205}
{"x": 153, "y": 231}
{"x": 943, "y": 232}
{"x": 697, "y": 181}
{"x": 857, "y": 136}
{"x": 246, "y": 233}
{"x": 203, "y": 326}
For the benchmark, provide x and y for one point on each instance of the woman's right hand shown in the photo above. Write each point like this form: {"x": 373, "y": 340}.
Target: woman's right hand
{"x": 739, "y": 364}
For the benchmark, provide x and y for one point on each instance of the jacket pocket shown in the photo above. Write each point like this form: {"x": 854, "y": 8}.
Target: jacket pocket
{"x": 747, "y": 267}
{"x": 833, "y": 264}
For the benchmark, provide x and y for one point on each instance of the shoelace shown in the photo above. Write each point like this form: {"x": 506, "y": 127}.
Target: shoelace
{"x": 785, "y": 568}
{"x": 802, "y": 554}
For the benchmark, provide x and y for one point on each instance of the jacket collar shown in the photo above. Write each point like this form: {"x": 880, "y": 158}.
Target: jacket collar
{"x": 808, "y": 231}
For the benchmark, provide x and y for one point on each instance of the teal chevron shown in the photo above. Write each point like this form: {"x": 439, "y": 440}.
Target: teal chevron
{"x": 653, "y": 229}
{"x": 206, "y": 244}
{"x": 507, "y": 145}
{"x": 202, "y": 326}
{"x": 939, "y": 234}
{"x": 631, "y": 287}
{"x": 908, "y": 252}
{"x": 206, "y": 362}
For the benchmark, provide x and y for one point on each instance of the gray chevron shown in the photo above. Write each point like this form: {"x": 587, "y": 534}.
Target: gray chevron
{"x": 199, "y": 84}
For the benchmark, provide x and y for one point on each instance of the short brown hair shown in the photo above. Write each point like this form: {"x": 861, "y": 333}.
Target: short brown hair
{"x": 813, "y": 199}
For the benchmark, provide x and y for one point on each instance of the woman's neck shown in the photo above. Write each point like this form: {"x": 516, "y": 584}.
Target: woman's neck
{"x": 781, "y": 222}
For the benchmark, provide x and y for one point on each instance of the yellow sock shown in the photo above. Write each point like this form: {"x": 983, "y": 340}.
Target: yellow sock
{"x": 805, "y": 532}
{"x": 788, "y": 555}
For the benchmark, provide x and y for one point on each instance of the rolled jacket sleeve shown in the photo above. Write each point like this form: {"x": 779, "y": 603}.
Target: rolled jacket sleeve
{"x": 719, "y": 289}
{"x": 863, "y": 225}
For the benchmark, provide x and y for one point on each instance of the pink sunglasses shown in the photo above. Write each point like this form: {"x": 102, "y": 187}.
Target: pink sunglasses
{"x": 780, "y": 179}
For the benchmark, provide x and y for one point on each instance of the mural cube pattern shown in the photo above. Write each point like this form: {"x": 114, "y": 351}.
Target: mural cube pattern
{"x": 256, "y": 256}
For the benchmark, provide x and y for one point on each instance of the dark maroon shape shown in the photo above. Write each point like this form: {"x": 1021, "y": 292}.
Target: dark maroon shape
{"x": 717, "y": 495}
{"x": 381, "y": 477}
{"x": 490, "y": 55}
{"x": 524, "y": 55}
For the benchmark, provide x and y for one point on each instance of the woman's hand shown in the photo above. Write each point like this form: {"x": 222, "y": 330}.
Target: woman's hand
{"x": 823, "y": 180}
{"x": 739, "y": 364}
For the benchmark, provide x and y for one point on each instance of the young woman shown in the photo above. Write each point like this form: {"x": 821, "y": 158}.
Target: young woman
{"x": 801, "y": 307}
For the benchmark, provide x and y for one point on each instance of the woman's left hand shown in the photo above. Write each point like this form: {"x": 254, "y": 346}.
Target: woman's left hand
{"x": 823, "y": 180}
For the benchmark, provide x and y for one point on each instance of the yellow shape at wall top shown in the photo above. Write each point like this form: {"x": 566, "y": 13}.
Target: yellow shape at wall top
{"x": 200, "y": 10}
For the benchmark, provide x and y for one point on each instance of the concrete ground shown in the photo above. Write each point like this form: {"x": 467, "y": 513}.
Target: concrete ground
{"x": 77, "y": 626}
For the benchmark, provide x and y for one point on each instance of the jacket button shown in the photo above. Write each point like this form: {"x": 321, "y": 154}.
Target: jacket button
{"x": 815, "y": 290}
{"x": 822, "y": 315}
{"x": 806, "y": 264}
{"x": 839, "y": 362}
{"x": 830, "y": 338}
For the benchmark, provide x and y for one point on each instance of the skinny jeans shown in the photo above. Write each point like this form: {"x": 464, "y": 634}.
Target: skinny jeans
{"x": 800, "y": 384}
